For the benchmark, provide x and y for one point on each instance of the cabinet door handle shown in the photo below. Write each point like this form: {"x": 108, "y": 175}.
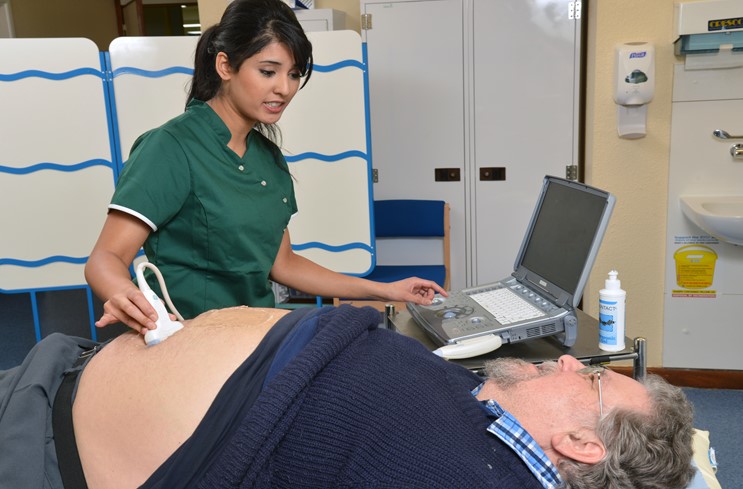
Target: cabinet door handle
{"x": 446, "y": 175}
{"x": 736, "y": 151}
{"x": 493, "y": 173}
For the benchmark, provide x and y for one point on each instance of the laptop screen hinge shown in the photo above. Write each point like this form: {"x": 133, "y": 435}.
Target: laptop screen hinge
{"x": 544, "y": 292}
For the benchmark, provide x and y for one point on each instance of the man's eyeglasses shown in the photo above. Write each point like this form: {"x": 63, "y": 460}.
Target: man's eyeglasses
{"x": 594, "y": 373}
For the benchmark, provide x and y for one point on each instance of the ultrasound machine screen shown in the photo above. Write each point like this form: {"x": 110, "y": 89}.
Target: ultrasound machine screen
{"x": 563, "y": 234}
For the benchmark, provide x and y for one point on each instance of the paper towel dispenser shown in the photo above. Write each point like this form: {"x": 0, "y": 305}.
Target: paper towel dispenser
{"x": 710, "y": 33}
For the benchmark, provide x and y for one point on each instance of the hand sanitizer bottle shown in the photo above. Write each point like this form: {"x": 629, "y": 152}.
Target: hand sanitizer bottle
{"x": 611, "y": 314}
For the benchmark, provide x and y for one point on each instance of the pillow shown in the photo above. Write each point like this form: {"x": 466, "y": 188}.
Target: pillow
{"x": 704, "y": 461}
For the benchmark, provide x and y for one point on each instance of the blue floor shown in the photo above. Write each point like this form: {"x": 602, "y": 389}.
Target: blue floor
{"x": 719, "y": 412}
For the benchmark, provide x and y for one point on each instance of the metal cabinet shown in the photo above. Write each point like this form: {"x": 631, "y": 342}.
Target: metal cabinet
{"x": 473, "y": 102}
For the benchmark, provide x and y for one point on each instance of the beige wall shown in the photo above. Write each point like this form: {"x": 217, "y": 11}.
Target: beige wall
{"x": 210, "y": 11}
{"x": 636, "y": 171}
{"x": 66, "y": 18}
{"x": 350, "y": 7}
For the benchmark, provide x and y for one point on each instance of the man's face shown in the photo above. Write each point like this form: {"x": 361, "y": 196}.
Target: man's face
{"x": 560, "y": 387}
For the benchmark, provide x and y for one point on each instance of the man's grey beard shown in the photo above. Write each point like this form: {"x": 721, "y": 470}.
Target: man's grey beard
{"x": 507, "y": 372}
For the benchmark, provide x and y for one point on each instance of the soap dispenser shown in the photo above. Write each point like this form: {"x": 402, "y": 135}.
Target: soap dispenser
{"x": 611, "y": 314}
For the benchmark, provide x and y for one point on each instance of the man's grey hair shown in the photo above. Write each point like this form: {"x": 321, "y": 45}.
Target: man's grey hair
{"x": 644, "y": 451}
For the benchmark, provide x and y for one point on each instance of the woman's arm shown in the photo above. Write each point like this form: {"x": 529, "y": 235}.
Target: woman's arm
{"x": 302, "y": 274}
{"x": 107, "y": 272}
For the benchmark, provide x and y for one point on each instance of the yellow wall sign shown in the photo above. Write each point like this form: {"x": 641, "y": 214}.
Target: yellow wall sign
{"x": 695, "y": 271}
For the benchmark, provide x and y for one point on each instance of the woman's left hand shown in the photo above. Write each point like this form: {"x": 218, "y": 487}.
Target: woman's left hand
{"x": 414, "y": 289}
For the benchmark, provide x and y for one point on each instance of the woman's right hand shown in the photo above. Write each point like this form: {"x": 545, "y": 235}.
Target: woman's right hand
{"x": 131, "y": 308}
{"x": 107, "y": 272}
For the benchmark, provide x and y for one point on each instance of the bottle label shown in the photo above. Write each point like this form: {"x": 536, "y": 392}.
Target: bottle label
{"x": 607, "y": 323}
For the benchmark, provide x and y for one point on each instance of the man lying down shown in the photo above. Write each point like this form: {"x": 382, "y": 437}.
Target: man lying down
{"x": 248, "y": 397}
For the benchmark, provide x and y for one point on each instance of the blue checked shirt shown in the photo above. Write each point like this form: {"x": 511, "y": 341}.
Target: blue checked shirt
{"x": 510, "y": 431}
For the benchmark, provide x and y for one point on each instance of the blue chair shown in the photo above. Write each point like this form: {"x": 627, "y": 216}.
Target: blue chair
{"x": 411, "y": 219}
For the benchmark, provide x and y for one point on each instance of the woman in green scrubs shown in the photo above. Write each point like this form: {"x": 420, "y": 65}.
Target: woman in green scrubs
{"x": 209, "y": 195}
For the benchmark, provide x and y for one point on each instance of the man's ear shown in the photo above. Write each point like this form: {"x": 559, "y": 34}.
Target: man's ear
{"x": 582, "y": 446}
{"x": 222, "y": 66}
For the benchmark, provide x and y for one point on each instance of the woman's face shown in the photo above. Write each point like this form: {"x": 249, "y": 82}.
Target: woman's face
{"x": 263, "y": 86}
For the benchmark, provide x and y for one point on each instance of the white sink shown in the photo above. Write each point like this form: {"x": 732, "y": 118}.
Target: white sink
{"x": 719, "y": 216}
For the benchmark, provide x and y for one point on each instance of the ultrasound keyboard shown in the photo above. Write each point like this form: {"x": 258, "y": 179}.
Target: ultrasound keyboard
{"x": 506, "y": 306}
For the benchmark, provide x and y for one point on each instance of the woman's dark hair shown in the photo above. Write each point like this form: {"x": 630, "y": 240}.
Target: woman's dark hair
{"x": 246, "y": 27}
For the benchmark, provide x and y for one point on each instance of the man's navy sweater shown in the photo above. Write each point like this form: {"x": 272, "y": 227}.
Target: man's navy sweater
{"x": 364, "y": 407}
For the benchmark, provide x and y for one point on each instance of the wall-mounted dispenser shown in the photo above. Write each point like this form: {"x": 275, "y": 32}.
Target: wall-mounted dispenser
{"x": 635, "y": 87}
{"x": 709, "y": 34}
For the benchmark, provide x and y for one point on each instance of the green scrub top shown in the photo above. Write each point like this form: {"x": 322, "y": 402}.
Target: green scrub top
{"x": 217, "y": 219}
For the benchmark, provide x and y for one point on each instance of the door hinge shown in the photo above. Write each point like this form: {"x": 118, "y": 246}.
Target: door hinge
{"x": 366, "y": 22}
{"x": 574, "y": 10}
{"x": 571, "y": 172}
